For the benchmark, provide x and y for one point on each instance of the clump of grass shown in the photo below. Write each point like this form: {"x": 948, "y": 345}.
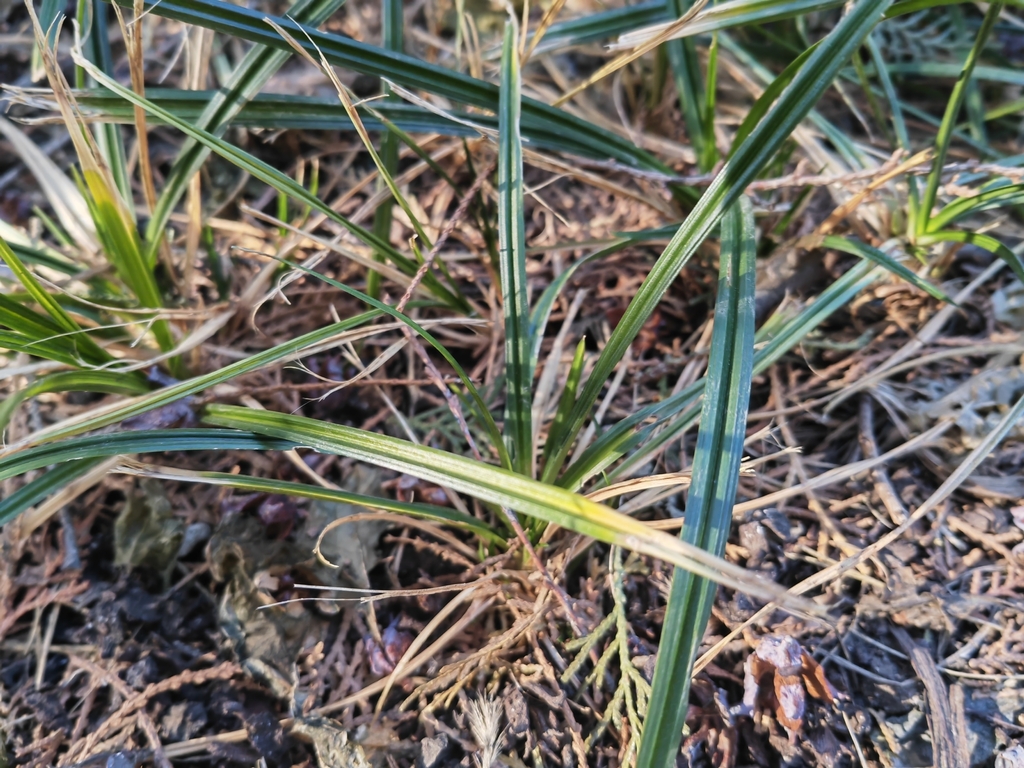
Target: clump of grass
{"x": 534, "y": 451}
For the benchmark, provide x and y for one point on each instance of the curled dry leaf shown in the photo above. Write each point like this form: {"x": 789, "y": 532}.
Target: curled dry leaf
{"x": 777, "y": 676}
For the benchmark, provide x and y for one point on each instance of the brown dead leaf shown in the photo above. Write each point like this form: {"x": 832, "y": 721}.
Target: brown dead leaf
{"x": 778, "y": 675}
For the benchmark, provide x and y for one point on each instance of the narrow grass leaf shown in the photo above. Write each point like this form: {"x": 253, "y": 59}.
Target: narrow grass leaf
{"x": 35, "y": 491}
{"x": 716, "y": 468}
{"x": 274, "y": 111}
{"x": 899, "y": 125}
{"x": 768, "y": 97}
{"x": 568, "y": 397}
{"x": 279, "y": 181}
{"x": 393, "y": 32}
{"x": 92, "y": 17}
{"x": 989, "y": 243}
{"x": 949, "y": 118}
{"x": 1010, "y": 194}
{"x": 402, "y": 69}
{"x": 61, "y": 318}
{"x": 107, "y": 382}
{"x": 142, "y": 441}
{"x": 682, "y": 55}
{"x": 865, "y": 251}
{"x": 512, "y": 261}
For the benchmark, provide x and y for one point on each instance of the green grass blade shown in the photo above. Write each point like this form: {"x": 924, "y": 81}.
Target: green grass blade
{"x": 492, "y": 485}
{"x": 737, "y": 13}
{"x": 274, "y": 111}
{"x": 795, "y": 102}
{"x": 61, "y": 318}
{"x": 765, "y": 101}
{"x": 34, "y": 252}
{"x": 142, "y": 441}
{"x": 839, "y": 138}
{"x": 942, "y": 69}
{"x": 281, "y": 182}
{"x": 1009, "y": 194}
{"x": 39, "y": 336}
{"x": 857, "y": 248}
{"x": 512, "y": 250}
{"x": 945, "y": 135}
{"x": 401, "y": 69}
{"x": 32, "y": 493}
{"x": 107, "y": 382}
{"x": 432, "y": 512}
{"x": 568, "y": 398}
{"x": 899, "y": 126}
{"x": 93, "y": 17}
{"x": 716, "y": 468}
{"x": 709, "y": 150}
{"x": 989, "y": 243}
{"x": 124, "y": 251}
{"x": 392, "y": 30}
{"x": 219, "y": 108}
{"x": 682, "y": 55}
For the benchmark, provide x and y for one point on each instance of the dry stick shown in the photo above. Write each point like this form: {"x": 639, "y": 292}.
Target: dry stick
{"x": 850, "y": 205}
{"x": 833, "y": 572}
{"x": 879, "y": 475}
{"x": 942, "y": 724}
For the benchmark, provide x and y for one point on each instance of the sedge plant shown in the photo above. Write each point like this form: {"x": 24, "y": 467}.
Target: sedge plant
{"x": 534, "y": 455}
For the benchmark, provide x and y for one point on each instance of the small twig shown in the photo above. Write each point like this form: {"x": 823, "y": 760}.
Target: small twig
{"x": 879, "y": 475}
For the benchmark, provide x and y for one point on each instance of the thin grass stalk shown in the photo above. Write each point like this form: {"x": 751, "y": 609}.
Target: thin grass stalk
{"x": 899, "y": 126}
{"x": 682, "y": 55}
{"x": 716, "y": 466}
{"x": 945, "y": 134}
{"x": 512, "y": 261}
